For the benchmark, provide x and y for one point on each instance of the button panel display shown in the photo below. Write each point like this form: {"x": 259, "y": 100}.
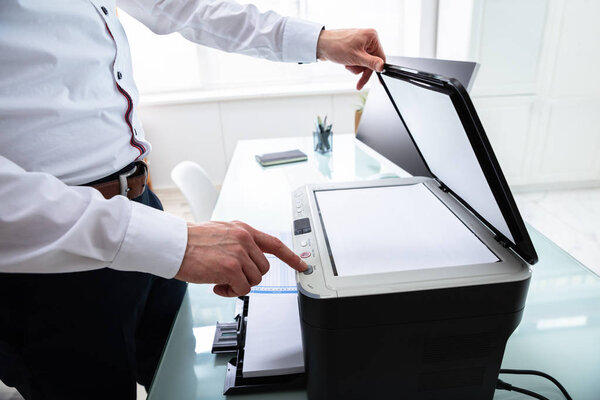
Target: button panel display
{"x": 305, "y": 246}
{"x": 301, "y": 226}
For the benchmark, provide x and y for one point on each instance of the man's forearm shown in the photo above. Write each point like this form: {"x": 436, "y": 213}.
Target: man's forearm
{"x": 231, "y": 27}
{"x": 49, "y": 227}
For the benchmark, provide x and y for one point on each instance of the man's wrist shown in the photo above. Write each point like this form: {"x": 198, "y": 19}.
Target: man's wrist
{"x": 322, "y": 44}
{"x": 155, "y": 243}
{"x": 300, "y": 39}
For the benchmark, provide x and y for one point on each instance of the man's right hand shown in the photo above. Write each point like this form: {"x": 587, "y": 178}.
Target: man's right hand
{"x": 230, "y": 254}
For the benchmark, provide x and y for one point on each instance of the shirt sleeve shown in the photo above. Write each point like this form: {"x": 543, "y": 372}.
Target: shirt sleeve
{"x": 229, "y": 26}
{"x": 49, "y": 227}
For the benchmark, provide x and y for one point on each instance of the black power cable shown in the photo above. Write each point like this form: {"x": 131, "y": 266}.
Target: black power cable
{"x": 507, "y": 386}
{"x": 538, "y": 373}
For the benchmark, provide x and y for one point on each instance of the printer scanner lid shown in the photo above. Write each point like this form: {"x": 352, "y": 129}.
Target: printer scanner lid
{"x": 443, "y": 124}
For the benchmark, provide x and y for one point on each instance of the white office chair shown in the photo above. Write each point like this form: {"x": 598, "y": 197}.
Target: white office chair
{"x": 198, "y": 190}
{"x": 8, "y": 393}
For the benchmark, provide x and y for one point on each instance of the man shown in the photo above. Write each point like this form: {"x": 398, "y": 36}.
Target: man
{"x": 86, "y": 295}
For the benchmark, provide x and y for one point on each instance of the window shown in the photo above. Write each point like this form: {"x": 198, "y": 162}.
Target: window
{"x": 170, "y": 63}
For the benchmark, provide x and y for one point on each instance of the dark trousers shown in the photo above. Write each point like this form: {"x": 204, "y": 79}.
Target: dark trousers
{"x": 85, "y": 335}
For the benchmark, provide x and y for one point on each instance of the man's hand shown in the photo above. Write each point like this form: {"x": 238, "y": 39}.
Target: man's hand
{"x": 230, "y": 254}
{"x": 358, "y": 49}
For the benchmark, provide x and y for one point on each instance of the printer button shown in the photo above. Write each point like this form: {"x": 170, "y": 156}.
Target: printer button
{"x": 305, "y": 254}
{"x": 309, "y": 270}
{"x": 303, "y": 243}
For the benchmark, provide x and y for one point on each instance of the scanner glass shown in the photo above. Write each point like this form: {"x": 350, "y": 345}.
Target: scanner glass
{"x": 433, "y": 122}
{"x": 394, "y": 228}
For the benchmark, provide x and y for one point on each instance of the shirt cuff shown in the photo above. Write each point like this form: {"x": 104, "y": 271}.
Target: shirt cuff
{"x": 155, "y": 242}
{"x": 300, "y": 39}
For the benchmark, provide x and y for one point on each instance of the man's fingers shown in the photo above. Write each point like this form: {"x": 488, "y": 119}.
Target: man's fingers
{"x": 355, "y": 69}
{"x": 366, "y": 61}
{"x": 272, "y": 245}
{"x": 369, "y": 64}
{"x": 241, "y": 286}
{"x": 253, "y": 248}
{"x": 277, "y": 248}
{"x": 235, "y": 277}
{"x": 358, "y": 49}
{"x": 372, "y": 62}
{"x": 259, "y": 259}
{"x": 374, "y": 49}
{"x": 366, "y": 75}
{"x": 251, "y": 271}
{"x": 224, "y": 291}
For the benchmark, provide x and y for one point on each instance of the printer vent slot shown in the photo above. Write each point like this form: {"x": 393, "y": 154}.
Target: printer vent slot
{"x": 453, "y": 348}
{"x": 451, "y": 378}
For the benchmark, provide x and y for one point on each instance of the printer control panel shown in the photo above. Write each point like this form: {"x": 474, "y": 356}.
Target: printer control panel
{"x": 304, "y": 240}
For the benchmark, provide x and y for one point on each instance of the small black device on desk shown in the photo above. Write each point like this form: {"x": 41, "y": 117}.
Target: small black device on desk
{"x": 282, "y": 157}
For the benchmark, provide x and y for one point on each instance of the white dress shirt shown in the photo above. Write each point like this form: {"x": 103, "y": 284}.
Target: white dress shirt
{"x": 68, "y": 116}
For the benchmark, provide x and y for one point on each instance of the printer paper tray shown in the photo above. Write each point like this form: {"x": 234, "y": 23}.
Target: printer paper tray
{"x": 224, "y": 343}
{"x": 236, "y": 384}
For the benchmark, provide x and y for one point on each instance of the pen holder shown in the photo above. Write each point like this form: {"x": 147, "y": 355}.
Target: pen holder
{"x": 323, "y": 136}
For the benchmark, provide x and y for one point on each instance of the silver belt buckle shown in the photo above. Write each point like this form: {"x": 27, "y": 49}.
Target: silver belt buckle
{"x": 123, "y": 181}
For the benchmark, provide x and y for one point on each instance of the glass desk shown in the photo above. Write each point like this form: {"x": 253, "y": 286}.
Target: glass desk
{"x": 559, "y": 333}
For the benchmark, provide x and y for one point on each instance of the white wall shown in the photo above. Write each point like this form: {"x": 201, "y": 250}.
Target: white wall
{"x": 536, "y": 92}
{"x": 207, "y": 131}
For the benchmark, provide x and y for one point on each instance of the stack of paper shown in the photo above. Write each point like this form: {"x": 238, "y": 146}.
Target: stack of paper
{"x": 273, "y": 339}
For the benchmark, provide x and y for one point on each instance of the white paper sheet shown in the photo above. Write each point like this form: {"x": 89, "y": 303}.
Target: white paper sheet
{"x": 396, "y": 228}
{"x": 273, "y": 339}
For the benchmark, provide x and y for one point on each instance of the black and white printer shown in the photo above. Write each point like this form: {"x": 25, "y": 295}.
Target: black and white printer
{"x": 414, "y": 284}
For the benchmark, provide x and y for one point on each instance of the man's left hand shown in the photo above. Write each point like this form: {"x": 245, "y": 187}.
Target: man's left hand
{"x": 358, "y": 49}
